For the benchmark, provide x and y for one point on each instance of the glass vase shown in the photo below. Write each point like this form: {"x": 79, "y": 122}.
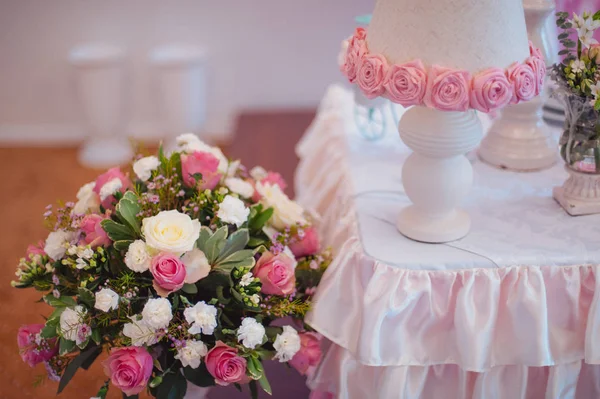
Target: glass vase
{"x": 580, "y": 141}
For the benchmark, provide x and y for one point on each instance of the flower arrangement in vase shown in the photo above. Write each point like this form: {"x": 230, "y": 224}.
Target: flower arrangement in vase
{"x": 177, "y": 274}
{"x": 578, "y": 87}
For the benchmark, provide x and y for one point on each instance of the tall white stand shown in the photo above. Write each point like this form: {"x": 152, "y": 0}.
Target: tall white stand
{"x": 99, "y": 79}
{"x": 520, "y": 139}
{"x": 437, "y": 176}
{"x": 181, "y": 88}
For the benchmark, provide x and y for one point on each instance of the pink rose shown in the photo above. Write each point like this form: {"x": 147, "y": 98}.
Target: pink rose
{"x": 223, "y": 363}
{"x": 111, "y": 174}
{"x": 309, "y": 355}
{"x": 406, "y": 83}
{"x": 34, "y": 349}
{"x": 448, "y": 89}
{"x": 272, "y": 178}
{"x": 524, "y": 81}
{"x": 371, "y": 75}
{"x": 276, "y": 273}
{"x": 357, "y": 48}
{"x": 38, "y": 249}
{"x": 168, "y": 272}
{"x": 129, "y": 369}
{"x": 534, "y": 51}
{"x": 539, "y": 68}
{"x": 491, "y": 90}
{"x": 204, "y": 163}
{"x": 95, "y": 235}
{"x": 307, "y": 245}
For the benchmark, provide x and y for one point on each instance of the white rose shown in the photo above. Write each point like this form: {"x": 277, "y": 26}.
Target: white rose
{"x": 232, "y": 210}
{"x": 157, "y": 313}
{"x": 58, "y": 242}
{"x": 287, "y": 344}
{"x": 246, "y": 279}
{"x": 233, "y": 167}
{"x": 70, "y": 322}
{"x": 285, "y": 211}
{"x": 106, "y": 299}
{"x": 87, "y": 199}
{"x": 189, "y": 142}
{"x": 202, "y": 318}
{"x": 110, "y": 187}
{"x": 258, "y": 173}
{"x": 140, "y": 333}
{"x": 239, "y": 186}
{"x": 137, "y": 257}
{"x": 191, "y": 353}
{"x": 196, "y": 266}
{"x": 143, "y": 167}
{"x": 250, "y": 333}
{"x": 171, "y": 231}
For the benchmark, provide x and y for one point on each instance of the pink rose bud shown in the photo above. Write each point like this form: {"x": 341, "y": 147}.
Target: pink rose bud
{"x": 307, "y": 245}
{"x": 94, "y": 234}
{"x": 276, "y": 273}
{"x": 308, "y": 357}
{"x": 111, "y": 174}
{"x": 524, "y": 80}
{"x": 406, "y": 83}
{"x": 371, "y": 75}
{"x": 168, "y": 272}
{"x": 539, "y": 68}
{"x": 223, "y": 363}
{"x": 203, "y": 163}
{"x": 33, "y": 348}
{"x": 38, "y": 249}
{"x": 448, "y": 89}
{"x": 129, "y": 369}
{"x": 491, "y": 90}
{"x": 357, "y": 47}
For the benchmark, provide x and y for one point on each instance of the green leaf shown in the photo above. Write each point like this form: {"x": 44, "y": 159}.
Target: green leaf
{"x": 563, "y": 35}
{"x": 215, "y": 244}
{"x": 190, "y": 289}
{"x": 49, "y": 331}
{"x": 116, "y": 231}
{"x": 96, "y": 337}
{"x": 563, "y": 52}
{"x": 174, "y": 386}
{"x": 254, "y": 242}
{"x": 86, "y": 297}
{"x": 253, "y": 389}
{"x": 254, "y": 368}
{"x": 122, "y": 245}
{"x": 65, "y": 346}
{"x": 264, "y": 383}
{"x": 63, "y": 301}
{"x": 127, "y": 210}
{"x": 235, "y": 242}
{"x": 220, "y": 295}
{"x": 596, "y": 16}
{"x": 199, "y": 376}
{"x": 569, "y": 43}
{"x": 87, "y": 363}
{"x": 74, "y": 365}
{"x": 261, "y": 218}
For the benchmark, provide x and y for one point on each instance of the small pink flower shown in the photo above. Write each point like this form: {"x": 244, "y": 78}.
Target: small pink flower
{"x": 308, "y": 357}
{"x": 406, "y": 83}
{"x": 94, "y": 234}
{"x": 129, "y": 369}
{"x": 33, "y": 348}
{"x": 357, "y": 48}
{"x": 203, "y": 163}
{"x": 491, "y": 90}
{"x": 371, "y": 75}
{"x": 276, "y": 273}
{"x": 224, "y": 364}
{"x": 524, "y": 80}
{"x": 272, "y": 178}
{"x": 539, "y": 68}
{"x": 38, "y": 249}
{"x": 113, "y": 173}
{"x": 307, "y": 245}
{"x": 534, "y": 51}
{"x": 448, "y": 89}
{"x": 168, "y": 272}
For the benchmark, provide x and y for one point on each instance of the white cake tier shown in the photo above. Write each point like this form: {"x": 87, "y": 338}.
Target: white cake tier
{"x": 464, "y": 34}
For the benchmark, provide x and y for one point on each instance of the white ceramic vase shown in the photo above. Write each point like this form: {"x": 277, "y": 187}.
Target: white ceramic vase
{"x": 437, "y": 175}
{"x": 99, "y": 78}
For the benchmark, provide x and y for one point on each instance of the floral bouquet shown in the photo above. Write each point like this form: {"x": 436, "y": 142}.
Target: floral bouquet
{"x": 177, "y": 274}
{"x": 578, "y": 80}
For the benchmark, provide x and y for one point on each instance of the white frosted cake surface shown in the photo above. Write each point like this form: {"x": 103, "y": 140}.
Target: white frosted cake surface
{"x": 463, "y": 34}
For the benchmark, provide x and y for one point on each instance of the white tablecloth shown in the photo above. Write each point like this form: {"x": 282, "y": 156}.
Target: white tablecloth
{"x": 520, "y": 290}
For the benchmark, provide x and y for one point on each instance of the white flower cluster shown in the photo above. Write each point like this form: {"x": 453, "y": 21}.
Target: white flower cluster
{"x": 106, "y": 300}
{"x": 189, "y": 142}
{"x": 585, "y": 26}
{"x": 58, "y": 242}
{"x": 232, "y": 210}
{"x": 191, "y": 353}
{"x": 110, "y": 187}
{"x": 250, "y": 333}
{"x": 144, "y": 167}
{"x": 240, "y": 187}
{"x": 156, "y": 315}
{"x": 285, "y": 211}
{"x": 87, "y": 199}
{"x": 202, "y": 318}
{"x": 287, "y": 344}
{"x": 72, "y": 326}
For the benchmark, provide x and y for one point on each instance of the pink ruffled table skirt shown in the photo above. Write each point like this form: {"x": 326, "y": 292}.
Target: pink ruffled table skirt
{"x": 511, "y": 311}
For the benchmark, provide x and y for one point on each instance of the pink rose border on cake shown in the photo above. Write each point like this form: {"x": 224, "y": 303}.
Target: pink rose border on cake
{"x": 441, "y": 88}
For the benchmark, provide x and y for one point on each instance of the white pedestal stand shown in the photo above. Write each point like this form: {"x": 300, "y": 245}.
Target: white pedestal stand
{"x": 99, "y": 80}
{"x": 437, "y": 176}
{"x": 196, "y": 392}
{"x": 520, "y": 139}
{"x": 181, "y": 89}
{"x": 579, "y": 194}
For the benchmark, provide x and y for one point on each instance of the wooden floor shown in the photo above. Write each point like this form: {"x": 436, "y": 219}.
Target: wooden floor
{"x": 35, "y": 177}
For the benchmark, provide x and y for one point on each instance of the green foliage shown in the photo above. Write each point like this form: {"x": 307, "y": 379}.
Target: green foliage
{"x": 65, "y": 346}
{"x": 226, "y": 253}
{"x": 199, "y": 376}
{"x": 117, "y": 231}
{"x": 173, "y": 386}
